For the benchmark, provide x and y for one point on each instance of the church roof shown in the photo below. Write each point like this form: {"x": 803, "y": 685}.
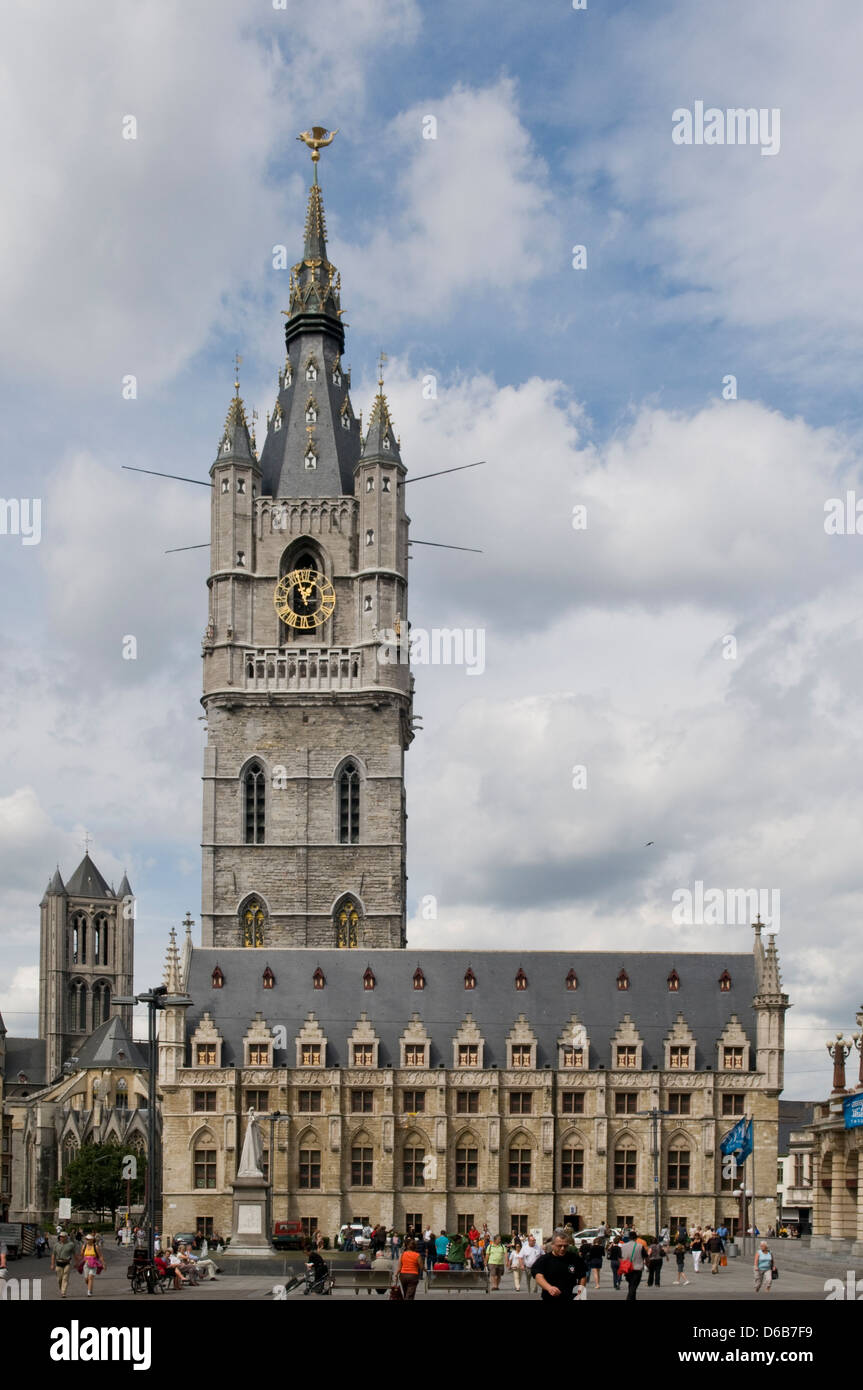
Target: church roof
{"x": 110, "y": 1045}
{"x": 87, "y": 882}
{"x": 236, "y": 441}
{"x": 494, "y": 1003}
{"x": 125, "y": 889}
{"x": 381, "y": 440}
{"x": 56, "y": 885}
{"x": 25, "y": 1055}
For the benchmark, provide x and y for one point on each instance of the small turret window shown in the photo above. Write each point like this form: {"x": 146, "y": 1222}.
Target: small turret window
{"x": 311, "y": 411}
{"x": 386, "y": 441}
{"x": 311, "y": 370}
{"x": 370, "y": 537}
{"x": 226, "y": 484}
{"x": 226, "y": 447}
{"x": 241, "y": 485}
{"x": 311, "y": 460}
{"x": 277, "y": 421}
{"x": 367, "y": 603}
{"x": 337, "y": 376}
{"x": 370, "y": 484}
{"x": 346, "y": 420}
{"x": 241, "y": 559}
{"x": 385, "y": 484}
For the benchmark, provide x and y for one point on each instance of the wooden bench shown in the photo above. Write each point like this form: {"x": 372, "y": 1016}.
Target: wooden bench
{"x": 459, "y": 1279}
{"x": 367, "y": 1279}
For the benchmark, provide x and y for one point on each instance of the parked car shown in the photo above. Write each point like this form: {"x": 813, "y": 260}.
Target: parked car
{"x": 592, "y": 1232}
{"x": 361, "y": 1241}
{"x": 288, "y": 1235}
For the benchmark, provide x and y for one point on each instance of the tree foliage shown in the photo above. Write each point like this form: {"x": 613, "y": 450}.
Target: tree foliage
{"x": 95, "y": 1179}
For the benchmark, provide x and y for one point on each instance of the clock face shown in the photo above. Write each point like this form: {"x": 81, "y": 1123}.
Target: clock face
{"x": 304, "y": 599}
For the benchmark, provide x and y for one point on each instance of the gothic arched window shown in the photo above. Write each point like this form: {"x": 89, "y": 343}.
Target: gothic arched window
{"x": 347, "y": 923}
{"x": 253, "y": 918}
{"x": 623, "y": 980}
{"x": 725, "y": 982}
{"x": 100, "y": 940}
{"x": 521, "y": 979}
{"x": 419, "y": 979}
{"x": 674, "y": 982}
{"x": 368, "y": 978}
{"x": 349, "y": 805}
{"x": 319, "y": 979}
{"x": 79, "y": 939}
{"x": 572, "y": 980}
{"x": 269, "y": 978}
{"x": 254, "y": 792}
{"x": 469, "y": 979}
{"x": 78, "y": 1006}
{"x": 101, "y": 1003}
{"x": 218, "y": 980}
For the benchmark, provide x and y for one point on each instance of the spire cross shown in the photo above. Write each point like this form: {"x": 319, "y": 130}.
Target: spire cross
{"x": 381, "y": 360}
{"x": 237, "y": 360}
{"x": 86, "y": 842}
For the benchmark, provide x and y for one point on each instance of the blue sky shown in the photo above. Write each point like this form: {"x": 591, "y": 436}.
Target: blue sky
{"x": 600, "y": 387}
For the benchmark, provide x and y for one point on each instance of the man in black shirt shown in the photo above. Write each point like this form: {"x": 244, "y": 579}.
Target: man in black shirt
{"x": 561, "y": 1271}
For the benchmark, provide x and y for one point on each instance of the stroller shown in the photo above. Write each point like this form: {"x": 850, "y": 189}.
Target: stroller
{"x": 318, "y": 1279}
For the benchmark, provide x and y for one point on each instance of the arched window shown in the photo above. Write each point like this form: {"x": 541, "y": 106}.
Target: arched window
{"x": 78, "y": 1006}
{"x": 572, "y": 980}
{"x": 218, "y": 978}
{"x": 253, "y": 918}
{"x": 100, "y": 955}
{"x": 419, "y": 979}
{"x": 521, "y": 979}
{"x": 678, "y": 1166}
{"x": 725, "y": 982}
{"x": 674, "y": 982}
{"x": 347, "y": 924}
{"x": 469, "y": 979}
{"x": 623, "y": 980}
{"x": 349, "y": 804}
{"x": 319, "y": 979}
{"x": 101, "y": 1003}
{"x": 269, "y": 978}
{"x": 368, "y": 978}
{"x": 519, "y": 1164}
{"x": 254, "y": 790}
{"x": 79, "y": 939}
{"x": 70, "y": 1152}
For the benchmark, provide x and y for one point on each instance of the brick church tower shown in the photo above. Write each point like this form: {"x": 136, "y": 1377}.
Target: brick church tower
{"x": 304, "y": 804}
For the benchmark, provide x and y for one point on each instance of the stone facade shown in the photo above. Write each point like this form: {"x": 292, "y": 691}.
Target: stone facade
{"x": 837, "y": 1159}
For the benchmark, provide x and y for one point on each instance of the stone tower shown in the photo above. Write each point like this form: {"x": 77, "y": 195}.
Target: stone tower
{"x": 308, "y": 716}
{"x": 86, "y": 956}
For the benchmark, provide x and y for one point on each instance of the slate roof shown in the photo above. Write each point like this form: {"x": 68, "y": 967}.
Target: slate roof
{"x": 793, "y": 1114}
{"x": 87, "y": 882}
{"x": 26, "y": 1055}
{"x": 495, "y": 1003}
{"x": 104, "y": 1045}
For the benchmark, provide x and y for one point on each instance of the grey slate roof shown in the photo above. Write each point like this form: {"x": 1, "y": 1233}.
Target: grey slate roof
{"x": 104, "y": 1045}
{"x": 125, "y": 890}
{"x": 793, "y": 1114}
{"x": 26, "y": 1055}
{"x": 87, "y": 882}
{"x": 283, "y": 467}
{"x": 56, "y": 885}
{"x": 381, "y": 440}
{"x": 495, "y": 1003}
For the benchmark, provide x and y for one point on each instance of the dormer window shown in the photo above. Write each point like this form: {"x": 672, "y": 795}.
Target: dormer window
{"x": 226, "y": 447}
{"x": 385, "y": 484}
{"x": 241, "y": 485}
{"x": 269, "y": 978}
{"x": 218, "y": 978}
{"x": 674, "y": 982}
{"x": 337, "y": 374}
{"x": 277, "y": 421}
{"x": 319, "y": 979}
{"x": 368, "y": 978}
{"x": 725, "y": 982}
{"x": 419, "y": 979}
{"x": 311, "y": 411}
{"x": 521, "y": 979}
{"x": 346, "y": 420}
{"x": 311, "y": 460}
{"x": 469, "y": 979}
{"x": 226, "y": 484}
{"x": 311, "y": 370}
{"x": 572, "y": 980}
{"x": 623, "y": 980}
{"x": 386, "y": 441}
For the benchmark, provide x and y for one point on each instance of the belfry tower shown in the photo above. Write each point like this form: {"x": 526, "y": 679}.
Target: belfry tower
{"x": 304, "y": 804}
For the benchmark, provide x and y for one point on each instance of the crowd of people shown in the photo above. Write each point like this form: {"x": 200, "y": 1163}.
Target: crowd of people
{"x": 572, "y": 1262}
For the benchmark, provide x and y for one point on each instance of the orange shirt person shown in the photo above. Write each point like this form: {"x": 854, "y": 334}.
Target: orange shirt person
{"x": 410, "y": 1269}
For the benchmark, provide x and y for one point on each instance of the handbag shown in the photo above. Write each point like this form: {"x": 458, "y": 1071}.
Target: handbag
{"x": 774, "y": 1272}
{"x": 723, "y": 1260}
{"x": 396, "y": 1294}
{"x": 625, "y": 1267}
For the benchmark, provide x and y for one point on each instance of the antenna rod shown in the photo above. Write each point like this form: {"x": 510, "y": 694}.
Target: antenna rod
{"x": 460, "y": 469}
{"x": 180, "y": 479}
{"x": 442, "y": 545}
{"x": 177, "y": 548}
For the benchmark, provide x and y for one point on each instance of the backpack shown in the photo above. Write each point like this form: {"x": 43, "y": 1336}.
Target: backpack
{"x": 454, "y": 1252}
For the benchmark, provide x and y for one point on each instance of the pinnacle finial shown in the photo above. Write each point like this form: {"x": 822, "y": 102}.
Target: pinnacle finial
{"x": 382, "y": 358}
{"x": 237, "y": 360}
{"x": 317, "y": 139}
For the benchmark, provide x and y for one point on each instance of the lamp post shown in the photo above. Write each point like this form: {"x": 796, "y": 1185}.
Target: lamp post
{"x": 275, "y": 1118}
{"x": 156, "y": 998}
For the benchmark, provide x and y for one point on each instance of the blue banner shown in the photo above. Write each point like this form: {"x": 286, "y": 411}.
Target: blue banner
{"x": 853, "y": 1108}
{"x": 734, "y": 1139}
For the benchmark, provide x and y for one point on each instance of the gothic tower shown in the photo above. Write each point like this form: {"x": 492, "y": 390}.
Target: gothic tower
{"x": 304, "y": 806}
{"x": 86, "y": 956}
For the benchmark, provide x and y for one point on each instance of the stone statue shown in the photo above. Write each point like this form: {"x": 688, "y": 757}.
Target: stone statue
{"x": 253, "y": 1150}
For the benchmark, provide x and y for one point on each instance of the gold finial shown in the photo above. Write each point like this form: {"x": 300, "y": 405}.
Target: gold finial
{"x": 381, "y": 360}
{"x": 237, "y": 360}
{"x": 317, "y": 139}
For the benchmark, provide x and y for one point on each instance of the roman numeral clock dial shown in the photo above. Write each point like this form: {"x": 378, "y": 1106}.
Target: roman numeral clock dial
{"x": 304, "y": 599}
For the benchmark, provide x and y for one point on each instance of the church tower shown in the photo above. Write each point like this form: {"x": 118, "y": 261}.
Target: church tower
{"x": 308, "y": 714}
{"x": 86, "y": 957}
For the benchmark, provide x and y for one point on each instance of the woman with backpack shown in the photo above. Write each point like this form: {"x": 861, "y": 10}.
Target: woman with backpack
{"x": 90, "y": 1262}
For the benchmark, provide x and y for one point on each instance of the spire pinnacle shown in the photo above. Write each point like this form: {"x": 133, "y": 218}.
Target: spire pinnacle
{"x": 317, "y": 139}
{"x": 172, "y": 965}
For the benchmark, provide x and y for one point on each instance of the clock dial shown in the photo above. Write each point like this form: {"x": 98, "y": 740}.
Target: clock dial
{"x": 304, "y": 599}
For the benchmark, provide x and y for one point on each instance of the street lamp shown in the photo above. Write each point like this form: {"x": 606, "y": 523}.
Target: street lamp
{"x": 745, "y": 1195}
{"x": 157, "y": 998}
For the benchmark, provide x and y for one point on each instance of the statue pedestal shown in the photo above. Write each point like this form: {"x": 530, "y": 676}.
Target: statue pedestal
{"x": 249, "y": 1234}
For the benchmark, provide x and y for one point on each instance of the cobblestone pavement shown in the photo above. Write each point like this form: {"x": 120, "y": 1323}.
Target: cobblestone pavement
{"x": 734, "y": 1283}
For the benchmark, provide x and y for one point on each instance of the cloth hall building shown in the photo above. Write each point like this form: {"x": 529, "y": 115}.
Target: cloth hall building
{"x": 513, "y": 1087}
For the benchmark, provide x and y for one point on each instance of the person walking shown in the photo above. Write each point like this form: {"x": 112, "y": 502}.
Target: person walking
{"x": 397, "y": 1245}
{"x": 680, "y": 1257}
{"x": 61, "y": 1259}
{"x": 91, "y": 1260}
{"x": 763, "y": 1266}
{"x": 614, "y": 1257}
{"x": 494, "y": 1258}
{"x": 696, "y": 1249}
{"x": 515, "y": 1263}
{"x": 595, "y": 1256}
{"x": 410, "y": 1269}
{"x": 428, "y": 1246}
{"x": 634, "y": 1255}
{"x": 561, "y": 1271}
{"x": 655, "y": 1256}
{"x": 530, "y": 1253}
{"x": 716, "y": 1249}
{"x": 455, "y": 1251}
